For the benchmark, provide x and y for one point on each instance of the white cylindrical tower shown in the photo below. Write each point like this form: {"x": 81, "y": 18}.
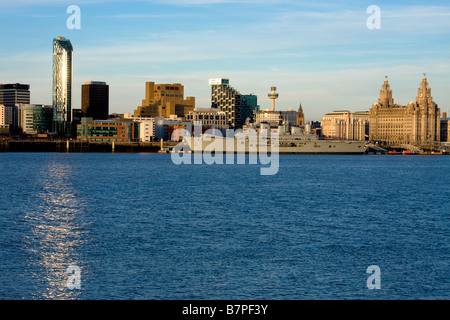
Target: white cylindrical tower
{"x": 273, "y": 95}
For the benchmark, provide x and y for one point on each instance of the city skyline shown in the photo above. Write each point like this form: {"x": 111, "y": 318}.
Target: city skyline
{"x": 320, "y": 55}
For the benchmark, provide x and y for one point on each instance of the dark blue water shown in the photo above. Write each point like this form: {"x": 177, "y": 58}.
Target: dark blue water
{"x": 140, "y": 227}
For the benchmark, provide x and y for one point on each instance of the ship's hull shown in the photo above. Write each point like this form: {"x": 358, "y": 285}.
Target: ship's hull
{"x": 229, "y": 145}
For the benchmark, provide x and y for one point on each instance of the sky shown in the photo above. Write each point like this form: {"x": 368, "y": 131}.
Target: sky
{"x": 318, "y": 53}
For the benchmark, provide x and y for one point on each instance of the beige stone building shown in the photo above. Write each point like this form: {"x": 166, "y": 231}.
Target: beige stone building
{"x": 346, "y": 125}
{"x": 417, "y": 123}
{"x": 164, "y": 100}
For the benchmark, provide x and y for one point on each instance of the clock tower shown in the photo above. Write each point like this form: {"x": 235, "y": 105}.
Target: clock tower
{"x": 424, "y": 97}
{"x": 428, "y": 114}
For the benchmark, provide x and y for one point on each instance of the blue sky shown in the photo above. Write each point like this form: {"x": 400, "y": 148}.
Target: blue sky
{"x": 320, "y": 54}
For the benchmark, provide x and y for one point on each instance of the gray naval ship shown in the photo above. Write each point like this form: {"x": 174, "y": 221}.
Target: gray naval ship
{"x": 296, "y": 141}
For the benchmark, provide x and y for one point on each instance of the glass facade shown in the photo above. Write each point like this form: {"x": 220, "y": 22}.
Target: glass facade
{"x": 249, "y": 104}
{"x": 108, "y": 131}
{"x": 37, "y": 119}
{"x": 62, "y": 83}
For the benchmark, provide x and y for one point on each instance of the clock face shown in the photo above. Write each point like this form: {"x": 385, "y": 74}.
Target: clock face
{"x": 421, "y": 94}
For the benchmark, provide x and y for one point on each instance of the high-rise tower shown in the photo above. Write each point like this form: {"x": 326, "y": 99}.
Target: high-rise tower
{"x": 62, "y": 84}
{"x": 272, "y": 96}
{"x": 95, "y": 100}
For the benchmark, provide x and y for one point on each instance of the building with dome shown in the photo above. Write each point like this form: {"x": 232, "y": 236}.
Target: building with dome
{"x": 417, "y": 123}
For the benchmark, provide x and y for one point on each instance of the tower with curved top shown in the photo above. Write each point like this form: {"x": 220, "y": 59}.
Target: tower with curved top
{"x": 272, "y": 96}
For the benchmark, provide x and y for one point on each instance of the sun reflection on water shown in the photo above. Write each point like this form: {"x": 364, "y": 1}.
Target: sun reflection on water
{"x": 58, "y": 229}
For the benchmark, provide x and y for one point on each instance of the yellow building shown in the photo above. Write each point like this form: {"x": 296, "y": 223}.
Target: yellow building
{"x": 417, "y": 123}
{"x": 164, "y": 100}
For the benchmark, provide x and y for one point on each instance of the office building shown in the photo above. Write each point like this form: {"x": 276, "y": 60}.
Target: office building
{"x": 112, "y": 130}
{"x": 62, "y": 84}
{"x": 13, "y": 94}
{"x": 95, "y": 100}
{"x": 164, "y": 100}
{"x": 35, "y": 118}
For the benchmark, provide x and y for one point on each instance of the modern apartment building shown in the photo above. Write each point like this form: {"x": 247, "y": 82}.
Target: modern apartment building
{"x": 147, "y": 128}
{"x": 238, "y": 107}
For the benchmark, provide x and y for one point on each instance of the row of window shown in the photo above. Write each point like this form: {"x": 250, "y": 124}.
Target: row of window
{"x": 168, "y": 88}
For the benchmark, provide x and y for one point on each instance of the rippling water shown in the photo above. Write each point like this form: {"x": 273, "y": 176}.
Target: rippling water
{"x": 140, "y": 227}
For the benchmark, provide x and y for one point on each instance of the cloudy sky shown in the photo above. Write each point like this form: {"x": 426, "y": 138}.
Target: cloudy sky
{"x": 317, "y": 53}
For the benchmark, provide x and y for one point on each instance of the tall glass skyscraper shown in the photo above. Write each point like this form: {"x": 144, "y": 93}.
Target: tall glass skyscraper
{"x": 62, "y": 84}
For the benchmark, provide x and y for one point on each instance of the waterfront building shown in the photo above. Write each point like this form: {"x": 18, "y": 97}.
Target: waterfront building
{"x": 35, "y": 118}
{"x": 95, "y": 100}
{"x": 346, "y": 125}
{"x": 165, "y": 127}
{"x": 147, "y": 127}
{"x": 11, "y": 95}
{"x": 62, "y": 84}
{"x": 417, "y": 123}
{"x": 445, "y": 128}
{"x": 208, "y": 118}
{"x": 238, "y": 107}
{"x": 112, "y": 130}
{"x": 164, "y": 100}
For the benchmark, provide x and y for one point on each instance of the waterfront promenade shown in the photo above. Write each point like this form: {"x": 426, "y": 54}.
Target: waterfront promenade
{"x": 80, "y": 146}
